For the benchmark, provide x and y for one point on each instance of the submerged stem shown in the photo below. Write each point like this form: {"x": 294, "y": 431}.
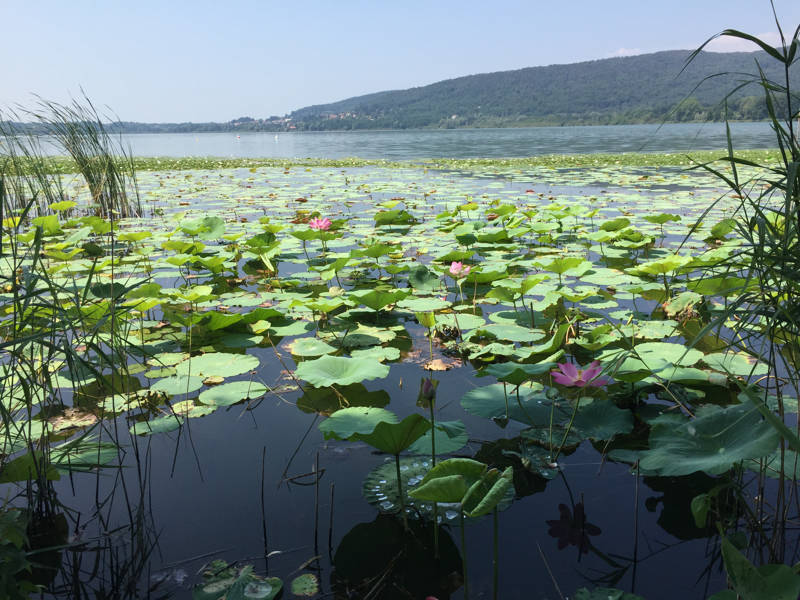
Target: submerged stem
{"x": 400, "y": 492}
{"x": 464, "y": 554}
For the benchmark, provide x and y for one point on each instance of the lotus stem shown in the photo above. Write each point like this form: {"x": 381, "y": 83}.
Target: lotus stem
{"x": 433, "y": 464}
{"x": 495, "y": 555}
{"x": 400, "y": 492}
{"x": 464, "y": 553}
{"x": 568, "y": 429}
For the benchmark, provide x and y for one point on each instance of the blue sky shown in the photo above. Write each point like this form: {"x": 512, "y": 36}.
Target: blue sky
{"x": 175, "y": 60}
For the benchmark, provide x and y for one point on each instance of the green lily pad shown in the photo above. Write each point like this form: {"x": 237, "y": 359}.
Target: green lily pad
{"x": 712, "y": 442}
{"x": 330, "y": 370}
{"x": 379, "y": 353}
{"x": 393, "y": 438}
{"x": 305, "y": 585}
{"x": 602, "y": 420}
{"x": 531, "y": 408}
{"x": 511, "y": 333}
{"x": 218, "y": 363}
{"x": 162, "y": 424}
{"x": 735, "y": 363}
{"x": 654, "y": 357}
{"x": 345, "y": 423}
{"x": 380, "y": 486}
{"x": 231, "y": 393}
{"x": 177, "y": 384}
{"x": 309, "y": 346}
{"x": 450, "y": 436}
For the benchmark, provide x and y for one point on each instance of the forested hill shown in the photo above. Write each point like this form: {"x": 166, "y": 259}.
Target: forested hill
{"x": 649, "y": 88}
{"x": 633, "y": 89}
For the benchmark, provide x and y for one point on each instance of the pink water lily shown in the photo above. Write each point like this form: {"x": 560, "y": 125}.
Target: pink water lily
{"x": 569, "y": 375}
{"x": 320, "y": 224}
{"x": 457, "y": 269}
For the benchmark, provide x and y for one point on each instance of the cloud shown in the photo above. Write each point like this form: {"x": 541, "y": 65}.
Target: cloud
{"x": 732, "y": 44}
{"x": 625, "y": 52}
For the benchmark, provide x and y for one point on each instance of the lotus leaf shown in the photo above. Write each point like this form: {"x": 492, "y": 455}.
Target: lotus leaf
{"x": 218, "y": 363}
{"x": 345, "y": 423}
{"x": 393, "y": 438}
{"x": 602, "y": 420}
{"x": 177, "y": 384}
{"x": 231, "y": 393}
{"x": 712, "y": 442}
{"x": 305, "y": 585}
{"x": 450, "y": 436}
{"x": 162, "y": 424}
{"x": 735, "y": 364}
{"x": 330, "y": 370}
{"x": 309, "y": 346}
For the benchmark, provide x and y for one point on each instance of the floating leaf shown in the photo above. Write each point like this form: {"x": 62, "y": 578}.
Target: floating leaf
{"x": 218, "y": 363}
{"x": 498, "y": 401}
{"x": 712, "y": 442}
{"x": 231, "y": 393}
{"x": 345, "y": 423}
{"x": 309, "y": 346}
{"x": 393, "y": 438}
{"x": 305, "y": 585}
{"x": 602, "y": 420}
{"x": 177, "y": 384}
{"x": 162, "y": 424}
{"x": 330, "y": 370}
{"x": 450, "y": 436}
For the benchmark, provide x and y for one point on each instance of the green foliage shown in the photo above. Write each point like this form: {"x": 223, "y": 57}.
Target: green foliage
{"x": 14, "y": 562}
{"x": 644, "y": 88}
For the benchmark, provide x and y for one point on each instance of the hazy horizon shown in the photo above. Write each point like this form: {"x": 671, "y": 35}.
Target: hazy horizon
{"x": 204, "y": 62}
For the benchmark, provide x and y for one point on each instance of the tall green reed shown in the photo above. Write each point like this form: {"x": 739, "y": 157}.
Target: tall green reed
{"x": 763, "y": 318}
{"x": 62, "y": 330}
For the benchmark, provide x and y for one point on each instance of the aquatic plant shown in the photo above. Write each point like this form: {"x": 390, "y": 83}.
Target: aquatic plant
{"x": 569, "y": 375}
{"x": 320, "y": 224}
{"x": 763, "y": 318}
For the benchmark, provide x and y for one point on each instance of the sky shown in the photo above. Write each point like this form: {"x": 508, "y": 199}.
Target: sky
{"x": 197, "y": 60}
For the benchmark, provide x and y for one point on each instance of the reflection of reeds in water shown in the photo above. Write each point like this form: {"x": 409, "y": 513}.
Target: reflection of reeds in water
{"x": 50, "y": 323}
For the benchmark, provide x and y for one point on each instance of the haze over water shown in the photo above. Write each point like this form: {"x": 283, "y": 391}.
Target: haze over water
{"x": 454, "y": 143}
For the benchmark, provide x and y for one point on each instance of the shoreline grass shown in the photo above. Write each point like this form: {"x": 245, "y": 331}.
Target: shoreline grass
{"x": 64, "y": 165}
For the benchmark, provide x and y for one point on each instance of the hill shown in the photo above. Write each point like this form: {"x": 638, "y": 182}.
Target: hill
{"x": 632, "y": 89}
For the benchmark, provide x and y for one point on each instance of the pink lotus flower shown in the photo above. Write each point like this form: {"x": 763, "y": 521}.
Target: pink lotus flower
{"x": 569, "y": 375}
{"x": 320, "y": 224}
{"x": 458, "y": 269}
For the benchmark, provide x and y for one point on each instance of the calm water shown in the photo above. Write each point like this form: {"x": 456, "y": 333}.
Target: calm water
{"x": 215, "y": 488}
{"x": 456, "y": 143}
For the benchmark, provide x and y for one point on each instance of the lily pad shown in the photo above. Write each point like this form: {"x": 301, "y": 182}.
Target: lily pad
{"x": 231, "y": 393}
{"x": 309, "y": 346}
{"x": 330, "y": 370}
{"x": 162, "y": 424}
{"x": 305, "y": 585}
{"x": 529, "y": 407}
{"x": 345, "y": 423}
{"x": 218, "y": 363}
{"x": 712, "y": 442}
{"x": 450, "y": 436}
{"x": 393, "y": 438}
{"x": 177, "y": 384}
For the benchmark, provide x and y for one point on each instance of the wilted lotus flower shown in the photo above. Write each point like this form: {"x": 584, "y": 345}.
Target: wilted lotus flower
{"x": 569, "y": 375}
{"x": 457, "y": 269}
{"x": 320, "y": 224}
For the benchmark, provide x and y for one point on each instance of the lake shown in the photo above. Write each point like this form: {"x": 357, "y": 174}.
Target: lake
{"x": 455, "y": 143}
{"x": 255, "y": 481}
